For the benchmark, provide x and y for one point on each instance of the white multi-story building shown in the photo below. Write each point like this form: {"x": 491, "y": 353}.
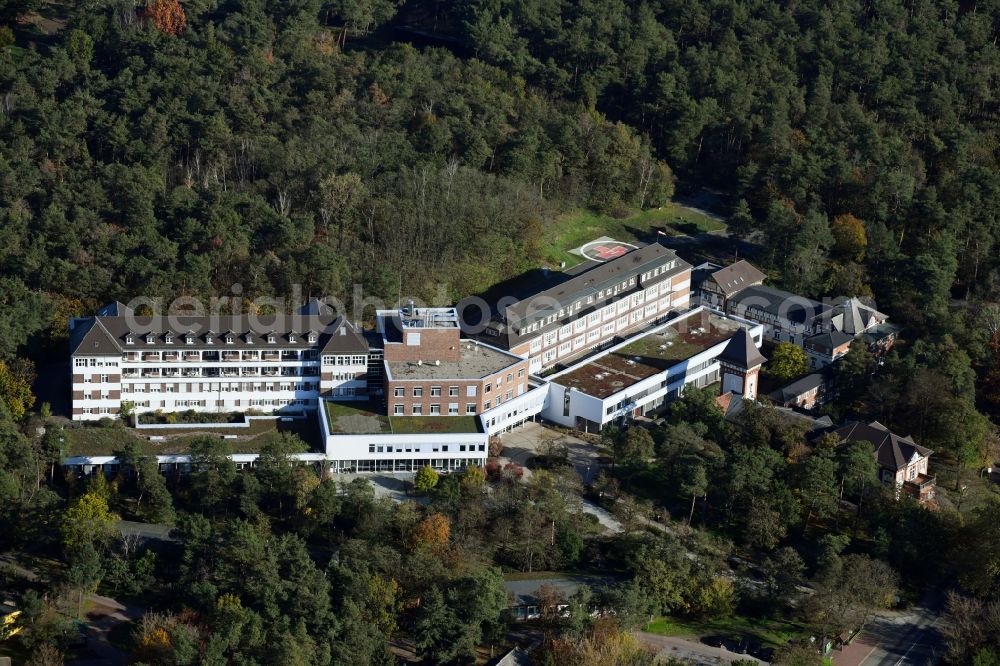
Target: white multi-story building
{"x": 590, "y": 309}
{"x": 639, "y": 375}
{"x": 217, "y": 363}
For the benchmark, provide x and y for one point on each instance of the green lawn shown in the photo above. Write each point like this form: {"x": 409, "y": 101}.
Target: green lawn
{"x": 573, "y": 229}
{"x": 770, "y": 631}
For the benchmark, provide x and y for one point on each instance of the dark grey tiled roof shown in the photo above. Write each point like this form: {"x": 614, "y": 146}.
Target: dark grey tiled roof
{"x": 892, "y": 451}
{"x": 829, "y": 341}
{"x": 104, "y": 335}
{"x": 736, "y": 277}
{"x": 780, "y": 303}
{"x": 741, "y": 351}
{"x": 800, "y": 386}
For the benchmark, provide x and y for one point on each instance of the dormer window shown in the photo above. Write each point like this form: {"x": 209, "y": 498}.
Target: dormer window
{"x": 291, "y": 337}
{"x": 150, "y": 338}
{"x": 168, "y": 338}
{"x": 189, "y": 339}
{"x": 270, "y": 338}
{"x": 208, "y": 338}
{"x": 311, "y": 337}
{"x": 129, "y": 339}
{"x": 229, "y": 339}
{"x": 249, "y": 338}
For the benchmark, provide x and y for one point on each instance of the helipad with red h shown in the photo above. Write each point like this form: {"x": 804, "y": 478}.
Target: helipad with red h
{"x": 603, "y": 249}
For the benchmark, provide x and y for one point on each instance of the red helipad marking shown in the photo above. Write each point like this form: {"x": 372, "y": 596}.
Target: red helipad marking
{"x": 604, "y": 252}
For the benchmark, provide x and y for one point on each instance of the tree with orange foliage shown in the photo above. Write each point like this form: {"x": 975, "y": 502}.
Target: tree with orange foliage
{"x": 167, "y": 16}
{"x": 432, "y": 532}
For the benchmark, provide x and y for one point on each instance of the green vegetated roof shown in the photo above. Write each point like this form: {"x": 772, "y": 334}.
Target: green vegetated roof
{"x": 365, "y": 418}
{"x": 410, "y": 425}
{"x": 356, "y": 418}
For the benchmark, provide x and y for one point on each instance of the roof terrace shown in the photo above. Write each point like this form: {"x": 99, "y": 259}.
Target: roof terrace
{"x": 649, "y": 355}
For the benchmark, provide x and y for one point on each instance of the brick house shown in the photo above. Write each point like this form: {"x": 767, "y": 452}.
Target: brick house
{"x": 825, "y": 348}
{"x": 902, "y": 463}
{"x": 713, "y": 285}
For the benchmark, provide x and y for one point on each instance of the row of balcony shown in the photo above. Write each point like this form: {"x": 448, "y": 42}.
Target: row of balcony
{"x": 229, "y": 356}
{"x": 132, "y": 373}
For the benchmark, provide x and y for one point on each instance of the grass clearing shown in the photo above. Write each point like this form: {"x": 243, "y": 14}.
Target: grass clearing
{"x": 770, "y": 631}
{"x": 573, "y": 229}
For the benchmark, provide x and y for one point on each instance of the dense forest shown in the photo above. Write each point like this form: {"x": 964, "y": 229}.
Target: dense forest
{"x": 179, "y": 148}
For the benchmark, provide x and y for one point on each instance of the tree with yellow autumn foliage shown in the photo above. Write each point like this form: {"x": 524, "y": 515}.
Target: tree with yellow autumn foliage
{"x": 850, "y": 237}
{"x": 432, "y": 532}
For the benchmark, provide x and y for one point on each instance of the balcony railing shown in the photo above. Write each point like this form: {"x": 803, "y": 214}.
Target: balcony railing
{"x": 150, "y": 373}
{"x": 921, "y": 487}
{"x": 192, "y": 356}
{"x": 154, "y": 356}
{"x": 231, "y": 356}
{"x": 170, "y": 356}
{"x": 272, "y": 356}
{"x": 251, "y": 356}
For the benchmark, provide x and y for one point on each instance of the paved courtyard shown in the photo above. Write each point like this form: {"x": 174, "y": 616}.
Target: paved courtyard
{"x": 524, "y": 442}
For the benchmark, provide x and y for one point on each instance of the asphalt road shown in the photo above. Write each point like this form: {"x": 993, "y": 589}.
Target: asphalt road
{"x": 910, "y": 639}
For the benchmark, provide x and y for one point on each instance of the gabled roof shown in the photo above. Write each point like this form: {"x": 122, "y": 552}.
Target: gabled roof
{"x": 107, "y": 335}
{"x": 737, "y": 277}
{"x": 114, "y": 309}
{"x": 91, "y": 338}
{"x": 345, "y": 339}
{"x": 891, "y": 451}
{"x": 780, "y": 303}
{"x": 742, "y": 352}
{"x": 799, "y": 387}
{"x": 856, "y": 316}
{"x": 829, "y": 341}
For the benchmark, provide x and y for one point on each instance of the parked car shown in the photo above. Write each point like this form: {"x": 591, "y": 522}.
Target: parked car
{"x": 744, "y": 645}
